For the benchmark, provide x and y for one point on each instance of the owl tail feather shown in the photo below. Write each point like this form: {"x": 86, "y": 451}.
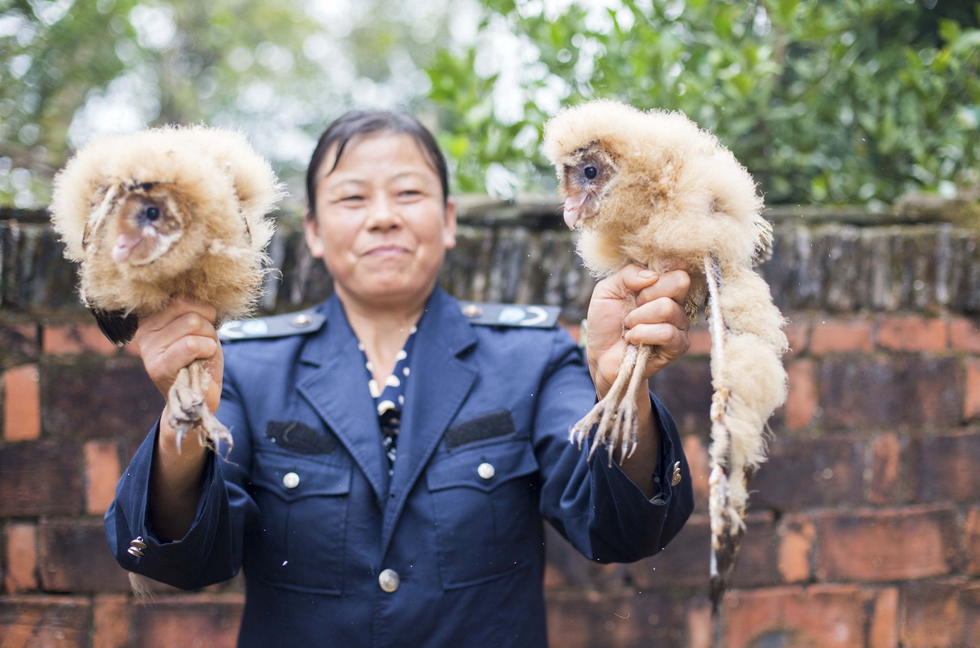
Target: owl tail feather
{"x": 749, "y": 382}
{"x": 119, "y": 326}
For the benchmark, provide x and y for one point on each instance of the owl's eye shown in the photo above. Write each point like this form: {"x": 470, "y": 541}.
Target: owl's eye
{"x": 590, "y": 172}
{"x": 152, "y": 213}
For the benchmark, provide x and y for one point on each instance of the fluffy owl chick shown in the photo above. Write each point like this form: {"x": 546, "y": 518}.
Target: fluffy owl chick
{"x": 652, "y": 188}
{"x": 163, "y": 213}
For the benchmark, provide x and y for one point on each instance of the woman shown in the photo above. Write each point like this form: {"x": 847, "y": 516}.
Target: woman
{"x": 392, "y": 460}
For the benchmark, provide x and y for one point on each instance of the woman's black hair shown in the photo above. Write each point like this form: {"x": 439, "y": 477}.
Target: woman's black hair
{"x": 364, "y": 122}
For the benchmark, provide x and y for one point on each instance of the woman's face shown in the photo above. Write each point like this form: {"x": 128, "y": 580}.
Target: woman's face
{"x": 381, "y": 225}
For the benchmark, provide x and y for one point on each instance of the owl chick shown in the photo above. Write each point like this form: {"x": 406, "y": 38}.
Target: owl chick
{"x": 163, "y": 213}
{"x": 652, "y": 188}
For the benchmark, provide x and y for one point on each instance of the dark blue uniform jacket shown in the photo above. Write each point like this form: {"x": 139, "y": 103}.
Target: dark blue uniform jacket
{"x": 315, "y": 524}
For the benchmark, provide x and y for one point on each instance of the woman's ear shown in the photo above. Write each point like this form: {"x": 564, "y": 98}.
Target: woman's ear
{"x": 449, "y": 225}
{"x": 311, "y": 232}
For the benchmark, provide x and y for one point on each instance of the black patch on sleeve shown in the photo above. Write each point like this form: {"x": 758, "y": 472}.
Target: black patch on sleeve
{"x": 488, "y": 426}
{"x": 299, "y": 437}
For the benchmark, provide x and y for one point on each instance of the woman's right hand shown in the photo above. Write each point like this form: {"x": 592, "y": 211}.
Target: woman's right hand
{"x": 172, "y": 338}
{"x": 168, "y": 341}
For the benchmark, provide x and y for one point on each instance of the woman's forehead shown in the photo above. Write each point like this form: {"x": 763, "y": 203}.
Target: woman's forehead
{"x": 376, "y": 156}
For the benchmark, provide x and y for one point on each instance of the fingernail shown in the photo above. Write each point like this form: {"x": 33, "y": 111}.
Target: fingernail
{"x": 648, "y": 274}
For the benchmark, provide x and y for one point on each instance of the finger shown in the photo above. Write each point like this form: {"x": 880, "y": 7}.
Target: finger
{"x": 662, "y": 309}
{"x": 164, "y": 366}
{"x": 627, "y": 281}
{"x": 165, "y": 330}
{"x": 177, "y": 307}
{"x": 671, "y": 340}
{"x": 673, "y": 285}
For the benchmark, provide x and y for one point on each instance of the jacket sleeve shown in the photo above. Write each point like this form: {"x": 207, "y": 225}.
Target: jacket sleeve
{"x": 211, "y": 550}
{"x": 606, "y": 516}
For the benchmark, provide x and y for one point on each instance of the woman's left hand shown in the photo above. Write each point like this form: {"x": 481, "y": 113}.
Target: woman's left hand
{"x": 657, "y": 319}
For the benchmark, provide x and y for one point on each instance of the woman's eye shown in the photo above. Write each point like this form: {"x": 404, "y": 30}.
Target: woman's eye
{"x": 410, "y": 193}
{"x": 352, "y": 198}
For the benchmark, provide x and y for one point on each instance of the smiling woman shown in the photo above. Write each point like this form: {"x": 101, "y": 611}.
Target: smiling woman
{"x": 394, "y": 457}
{"x": 381, "y": 222}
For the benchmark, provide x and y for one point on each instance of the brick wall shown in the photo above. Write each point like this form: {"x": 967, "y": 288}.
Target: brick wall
{"x": 865, "y": 524}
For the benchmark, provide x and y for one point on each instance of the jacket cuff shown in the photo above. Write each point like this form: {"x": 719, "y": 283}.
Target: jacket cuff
{"x": 130, "y": 531}
{"x": 671, "y": 470}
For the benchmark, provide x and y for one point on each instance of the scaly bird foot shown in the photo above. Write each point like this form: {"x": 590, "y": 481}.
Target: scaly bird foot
{"x": 580, "y": 431}
{"x": 626, "y": 432}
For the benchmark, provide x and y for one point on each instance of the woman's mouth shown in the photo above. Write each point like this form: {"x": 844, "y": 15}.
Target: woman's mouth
{"x": 386, "y": 250}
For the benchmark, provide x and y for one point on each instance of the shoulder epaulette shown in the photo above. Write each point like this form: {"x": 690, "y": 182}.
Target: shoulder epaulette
{"x": 299, "y": 323}
{"x": 487, "y": 314}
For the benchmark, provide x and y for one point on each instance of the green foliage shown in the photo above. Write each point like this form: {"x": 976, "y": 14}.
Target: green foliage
{"x": 277, "y": 69}
{"x": 844, "y": 101}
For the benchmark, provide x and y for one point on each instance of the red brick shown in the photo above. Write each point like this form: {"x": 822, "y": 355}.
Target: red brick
{"x": 76, "y": 338}
{"x": 757, "y": 563}
{"x": 699, "y": 625}
{"x": 884, "y": 621}
{"x": 840, "y": 336}
{"x": 971, "y": 532}
{"x": 904, "y": 390}
{"x": 801, "y": 403}
{"x": 825, "y": 471}
{"x": 683, "y": 562}
{"x": 111, "y": 620}
{"x": 40, "y": 478}
{"x": 798, "y": 335}
{"x": 700, "y": 338}
{"x": 75, "y": 558}
{"x": 913, "y": 333}
{"x": 685, "y": 387}
{"x": 796, "y": 539}
{"x": 44, "y": 621}
{"x": 887, "y": 483}
{"x": 883, "y": 545}
{"x": 586, "y": 620}
{"x": 94, "y": 397}
{"x": 971, "y": 401}
{"x": 102, "y": 471}
{"x": 699, "y": 463}
{"x": 19, "y": 343}
{"x": 22, "y": 403}
{"x": 944, "y": 613}
{"x": 570, "y": 569}
{"x": 828, "y": 616}
{"x": 21, "y": 557}
{"x": 945, "y": 466}
{"x": 201, "y": 620}
{"x": 964, "y": 334}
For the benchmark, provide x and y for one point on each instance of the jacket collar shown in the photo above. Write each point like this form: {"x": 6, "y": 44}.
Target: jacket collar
{"x": 334, "y": 382}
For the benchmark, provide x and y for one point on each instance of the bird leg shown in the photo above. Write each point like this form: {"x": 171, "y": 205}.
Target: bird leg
{"x": 627, "y": 421}
{"x": 188, "y": 409}
{"x": 604, "y": 411}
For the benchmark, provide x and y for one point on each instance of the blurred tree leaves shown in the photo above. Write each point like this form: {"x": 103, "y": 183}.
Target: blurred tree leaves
{"x": 843, "y": 101}
{"x": 278, "y": 69}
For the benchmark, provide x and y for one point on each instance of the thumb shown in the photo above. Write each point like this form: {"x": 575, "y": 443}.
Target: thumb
{"x": 628, "y": 280}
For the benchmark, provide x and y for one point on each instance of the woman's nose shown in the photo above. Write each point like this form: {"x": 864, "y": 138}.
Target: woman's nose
{"x": 382, "y": 214}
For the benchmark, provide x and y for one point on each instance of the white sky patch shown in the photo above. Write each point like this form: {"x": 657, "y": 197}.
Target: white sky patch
{"x": 50, "y": 12}
{"x": 274, "y": 57}
{"x": 12, "y": 24}
{"x": 155, "y": 27}
{"x": 501, "y": 183}
{"x": 127, "y": 105}
{"x": 19, "y": 65}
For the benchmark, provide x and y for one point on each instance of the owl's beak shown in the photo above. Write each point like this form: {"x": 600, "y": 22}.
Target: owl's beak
{"x": 573, "y": 208}
{"x": 124, "y": 246}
